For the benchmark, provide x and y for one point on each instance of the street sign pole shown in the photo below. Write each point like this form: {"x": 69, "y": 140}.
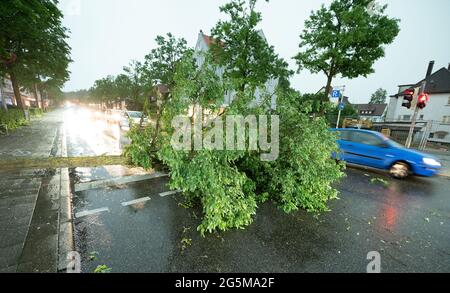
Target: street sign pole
{"x": 340, "y": 100}
{"x": 339, "y": 118}
{"x": 416, "y": 109}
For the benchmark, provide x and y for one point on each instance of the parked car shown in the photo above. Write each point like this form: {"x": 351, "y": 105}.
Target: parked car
{"x": 136, "y": 117}
{"x": 114, "y": 116}
{"x": 373, "y": 149}
{"x": 126, "y": 120}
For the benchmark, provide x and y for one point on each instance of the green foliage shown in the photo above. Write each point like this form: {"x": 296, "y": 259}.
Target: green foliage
{"x": 159, "y": 65}
{"x": 302, "y": 175}
{"x": 140, "y": 151}
{"x": 12, "y": 119}
{"x": 242, "y": 48}
{"x": 36, "y": 112}
{"x": 102, "y": 269}
{"x": 345, "y": 38}
{"x": 347, "y": 112}
{"x": 379, "y": 181}
{"x": 33, "y": 47}
{"x": 226, "y": 184}
{"x": 379, "y": 97}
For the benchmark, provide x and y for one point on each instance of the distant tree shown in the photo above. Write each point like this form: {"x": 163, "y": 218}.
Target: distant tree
{"x": 104, "y": 90}
{"x": 379, "y": 97}
{"x": 345, "y": 38}
{"x": 159, "y": 68}
{"x": 159, "y": 65}
{"x": 248, "y": 59}
{"x": 33, "y": 47}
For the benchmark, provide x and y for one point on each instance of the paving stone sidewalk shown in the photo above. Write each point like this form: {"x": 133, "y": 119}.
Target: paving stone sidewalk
{"x": 30, "y": 199}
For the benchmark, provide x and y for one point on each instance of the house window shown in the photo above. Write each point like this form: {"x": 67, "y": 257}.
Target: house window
{"x": 448, "y": 102}
{"x": 405, "y": 117}
{"x": 421, "y": 117}
{"x": 441, "y": 134}
{"x": 446, "y": 119}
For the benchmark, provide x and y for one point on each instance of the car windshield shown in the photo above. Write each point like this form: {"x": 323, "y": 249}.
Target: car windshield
{"x": 135, "y": 114}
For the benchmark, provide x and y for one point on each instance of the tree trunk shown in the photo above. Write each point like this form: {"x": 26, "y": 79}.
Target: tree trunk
{"x": 16, "y": 89}
{"x": 36, "y": 94}
{"x": 325, "y": 96}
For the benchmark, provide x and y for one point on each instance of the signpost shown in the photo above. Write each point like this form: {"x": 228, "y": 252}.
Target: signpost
{"x": 338, "y": 93}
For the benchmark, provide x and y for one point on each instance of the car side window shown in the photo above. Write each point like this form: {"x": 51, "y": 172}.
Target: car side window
{"x": 345, "y": 135}
{"x": 366, "y": 138}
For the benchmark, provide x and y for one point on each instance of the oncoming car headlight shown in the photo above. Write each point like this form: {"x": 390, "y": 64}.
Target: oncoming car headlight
{"x": 431, "y": 162}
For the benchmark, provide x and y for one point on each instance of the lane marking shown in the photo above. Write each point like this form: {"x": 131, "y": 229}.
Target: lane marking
{"x": 91, "y": 212}
{"x": 117, "y": 181}
{"x": 169, "y": 193}
{"x": 136, "y": 201}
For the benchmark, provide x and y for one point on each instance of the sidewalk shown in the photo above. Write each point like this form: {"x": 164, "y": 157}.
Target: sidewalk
{"x": 30, "y": 200}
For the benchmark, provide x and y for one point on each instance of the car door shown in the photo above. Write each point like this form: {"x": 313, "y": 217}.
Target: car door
{"x": 367, "y": 149}
{"x": 344, "y": 143}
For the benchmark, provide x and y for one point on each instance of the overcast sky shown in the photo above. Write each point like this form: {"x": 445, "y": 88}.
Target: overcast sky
{"x": 107, "y": 34}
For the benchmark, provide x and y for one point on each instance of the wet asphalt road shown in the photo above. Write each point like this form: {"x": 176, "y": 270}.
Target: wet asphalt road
{"x": 407, "y": 222}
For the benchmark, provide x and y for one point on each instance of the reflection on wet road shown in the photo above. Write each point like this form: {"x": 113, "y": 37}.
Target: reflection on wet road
{"x": 406, "y": 221}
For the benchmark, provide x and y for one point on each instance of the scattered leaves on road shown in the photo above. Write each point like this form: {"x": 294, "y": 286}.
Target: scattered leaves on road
{"x": 102, "y": 269}
{"x": 380, "y": 181}
{"x": 93, "y": 255}
{"x": 185, "y": 243}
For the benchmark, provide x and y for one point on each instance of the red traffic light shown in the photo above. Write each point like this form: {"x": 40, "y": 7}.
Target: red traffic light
{"x": 408, "y": 92}
{"x": 423, "y": 100}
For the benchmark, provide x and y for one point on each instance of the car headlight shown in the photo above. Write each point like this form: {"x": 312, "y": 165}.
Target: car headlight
{"x": 431, "y": 162}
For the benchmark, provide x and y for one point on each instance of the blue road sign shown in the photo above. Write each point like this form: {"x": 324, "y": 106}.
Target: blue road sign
{"x": 336, "y": 94}
{"x": 341, "y": 106}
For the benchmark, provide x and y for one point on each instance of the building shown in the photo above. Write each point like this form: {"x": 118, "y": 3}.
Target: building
{"x": 371, "y": 112}
{"x": 6, "y": 93}
{"x": 7, "y": 97}
{"x": 437, "y": 112}
{"x": 203, "y": 44}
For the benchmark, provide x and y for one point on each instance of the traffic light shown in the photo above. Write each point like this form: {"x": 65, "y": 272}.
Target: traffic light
{"x": 423, "y": 100}
{"x": 408, "y": 96}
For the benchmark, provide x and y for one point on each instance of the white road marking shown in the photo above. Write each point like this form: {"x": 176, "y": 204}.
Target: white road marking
{"x": 169, "y": 193}
{"x": 117, "y": 181}
{"x": 91, "y": 212}
{"x": 136, "y": 201}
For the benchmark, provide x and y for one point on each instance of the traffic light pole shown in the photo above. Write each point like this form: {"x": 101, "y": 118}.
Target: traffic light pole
{"x": 414, "y": 119}
{"x": 416, "y": 108}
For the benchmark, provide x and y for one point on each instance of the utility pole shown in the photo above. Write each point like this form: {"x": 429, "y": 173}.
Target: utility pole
{"x": 416, "y": 109}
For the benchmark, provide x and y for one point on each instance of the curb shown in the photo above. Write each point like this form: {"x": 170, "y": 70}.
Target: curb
{"x": 65, "y": 235}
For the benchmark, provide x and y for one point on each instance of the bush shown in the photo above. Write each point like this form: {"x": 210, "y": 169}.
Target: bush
{"x": 139, "y": 150}
{"x": 36, "y": 112}
{"x": 12, "y": 119}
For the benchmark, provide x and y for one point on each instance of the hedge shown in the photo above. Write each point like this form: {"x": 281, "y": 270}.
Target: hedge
{"x": 13, "y": 118}
{"x": 36, "y": 112}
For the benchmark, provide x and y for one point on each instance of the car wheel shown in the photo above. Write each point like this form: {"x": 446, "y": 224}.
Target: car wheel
{"x": 400, "y": 170}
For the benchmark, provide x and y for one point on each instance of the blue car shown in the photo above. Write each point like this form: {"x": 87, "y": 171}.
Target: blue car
{"x": 373, "y": 149}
